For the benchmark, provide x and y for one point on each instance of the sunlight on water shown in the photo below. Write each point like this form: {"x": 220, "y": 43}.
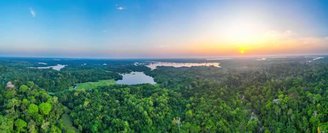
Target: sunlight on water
{"x": 153, "y": 66}
{"x": 58, "y": 67}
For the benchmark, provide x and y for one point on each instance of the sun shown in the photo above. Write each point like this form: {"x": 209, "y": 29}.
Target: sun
{"x": 244, "y": 33}
{"x": 240, "y": 35}
{"x": 242, "y": 51}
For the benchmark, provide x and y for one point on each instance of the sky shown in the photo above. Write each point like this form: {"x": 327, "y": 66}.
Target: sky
{"x": 162, "y": 28}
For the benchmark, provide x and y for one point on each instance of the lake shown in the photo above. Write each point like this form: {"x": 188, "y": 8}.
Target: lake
{"x": 153, "y": 66}
{"x": 134, "y": 78}
{"x": 58, "y": 67}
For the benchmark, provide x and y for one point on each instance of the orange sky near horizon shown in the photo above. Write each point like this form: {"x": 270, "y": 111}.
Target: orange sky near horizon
{"x": 243, "y": 43}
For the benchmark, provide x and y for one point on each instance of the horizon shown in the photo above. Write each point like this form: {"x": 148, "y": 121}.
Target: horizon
{"x": 173, "y": 58}
{"x": 162, "y": 29}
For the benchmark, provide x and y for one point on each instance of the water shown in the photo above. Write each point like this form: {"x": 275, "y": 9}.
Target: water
{"x": 153, "y": 66}
{"x": 261, "y": 59}
{"x": 134, "y": 78}
{"x": 318, "y": 58}
{"x": 58, "y": 67}
{"x": 42, "y": 63}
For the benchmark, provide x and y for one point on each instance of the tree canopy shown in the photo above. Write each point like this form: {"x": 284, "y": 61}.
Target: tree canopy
{"x": 277, "y": 95}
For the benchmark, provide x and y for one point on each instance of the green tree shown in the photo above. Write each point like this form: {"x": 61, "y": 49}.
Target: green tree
{"x": 189, "y": 114}
{"x": 20, "y": 124}
{"x": 45, "y": 108}
{"x": 6, "y": 125}
{"x": 33, "y": 109}
{"x": 10, "y": 93}
{"x": 55, "y": 129}
{"x": 23, "y": 88}
{"x": 30, "y": 84}
{"x": 32, "y": 127}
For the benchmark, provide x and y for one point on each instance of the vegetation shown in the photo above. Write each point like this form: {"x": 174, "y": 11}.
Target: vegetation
{"x": 92, "y": 85}
{"x": 29, "y": 109}
{"x": 276, "y": 95}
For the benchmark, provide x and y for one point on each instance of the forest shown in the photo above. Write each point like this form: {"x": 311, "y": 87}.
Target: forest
{"x": 275, "y": 95}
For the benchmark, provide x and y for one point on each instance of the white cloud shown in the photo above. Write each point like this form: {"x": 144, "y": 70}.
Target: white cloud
{"x": 120, "y": 8}
{"x": 33, "y": 13}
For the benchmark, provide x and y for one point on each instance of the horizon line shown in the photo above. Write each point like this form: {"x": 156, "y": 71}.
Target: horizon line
{"x": 191, "y": 57}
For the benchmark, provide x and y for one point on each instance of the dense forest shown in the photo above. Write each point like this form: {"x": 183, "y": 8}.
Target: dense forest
{"x": 243, "y": 95}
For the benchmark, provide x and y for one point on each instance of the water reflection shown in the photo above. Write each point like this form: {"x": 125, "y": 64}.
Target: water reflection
{"x": 153, "y": 66}
{"x": 58, "y": 67}
{"x": 136, "y": 78}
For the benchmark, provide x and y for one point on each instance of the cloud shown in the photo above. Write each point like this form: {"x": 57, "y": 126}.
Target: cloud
{"x": 326, "y": 38}
{"x": 33, "y": 13}
{"x": 290, "y": 40}
{"x": 120, "y": 8}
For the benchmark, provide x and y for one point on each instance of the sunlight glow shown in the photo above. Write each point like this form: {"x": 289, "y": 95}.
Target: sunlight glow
{"x": 241, "y": 50}
{"x": 243, "y": 31}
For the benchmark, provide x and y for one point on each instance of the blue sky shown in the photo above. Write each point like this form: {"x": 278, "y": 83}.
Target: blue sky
{"x": 158, "y": 28}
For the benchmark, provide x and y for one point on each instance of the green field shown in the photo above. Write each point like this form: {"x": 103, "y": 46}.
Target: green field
{"x": 92, "y": 85}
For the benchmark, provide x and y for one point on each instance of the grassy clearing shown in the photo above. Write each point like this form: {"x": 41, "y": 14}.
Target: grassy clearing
{"x": 92, "y": 85}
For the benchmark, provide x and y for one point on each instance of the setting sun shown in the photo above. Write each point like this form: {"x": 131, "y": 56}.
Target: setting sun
{"x": 242, "y": 51}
